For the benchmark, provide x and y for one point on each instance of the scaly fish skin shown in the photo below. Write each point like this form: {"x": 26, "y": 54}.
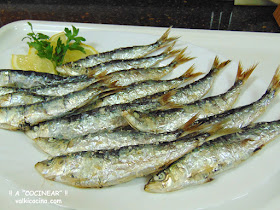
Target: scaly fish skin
{"x": 239, "y": 116}
{"x": 161, "y": 121}
{"x": 142, "y": 89}
{"x": 64, "y": 88}
{"x": 197, "y": 89}
{"x": 108, "y": 117}
{"x": 20, "y": 98}
{"x": 214, "y": 157}
{"x": 28, "y": 79}
{"x": 102, "y": 140}
{"x": 110, "y": 167}
{"x": 73, "y": 68}
{"x": 103, "y": 69}
{"x": 20, "y": 117}
{"x": 127, "y": 77}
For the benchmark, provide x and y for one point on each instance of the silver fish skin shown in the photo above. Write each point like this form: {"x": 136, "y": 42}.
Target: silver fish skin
{"x": 20, "y": 117}
{"x": 102, "y": 140}
{"x": 20, "y": 98}
{"x": 62, "y": 89}
{"x": 28, "y": 79}
{"x": 103, "y": 69}
{"x": 127, "y": 77}
{"x": 89, "y": 169}
{"x": 58, "y": 89}
{"x": 197, "y": 89}
{"x": 108, "y": 117}
{"x": 142, "y": 89}
{"x": 72, "y": 68}
{"x": 214, "y": 157}
{"x": 161, "y": 121}
{"x": 8, "y": 90}
{"x": 240, "y": 116}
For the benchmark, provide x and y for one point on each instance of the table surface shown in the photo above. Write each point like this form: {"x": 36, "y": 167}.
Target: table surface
{"x": 194, "y": 14}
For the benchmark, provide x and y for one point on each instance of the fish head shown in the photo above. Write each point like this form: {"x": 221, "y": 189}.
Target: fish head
{"x": 170, "y": 179}
{"x": 52, "y": 168}
{"x": 159, "y": 183}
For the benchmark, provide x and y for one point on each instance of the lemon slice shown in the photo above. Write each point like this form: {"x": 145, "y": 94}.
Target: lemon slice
{"x": 32, "y": 61}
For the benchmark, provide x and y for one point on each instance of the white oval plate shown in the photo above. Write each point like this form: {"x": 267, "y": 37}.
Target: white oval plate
{"x": 255, "y": 184}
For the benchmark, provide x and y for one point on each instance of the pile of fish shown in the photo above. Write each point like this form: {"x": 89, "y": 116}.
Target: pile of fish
{"x": 109, "y": 118}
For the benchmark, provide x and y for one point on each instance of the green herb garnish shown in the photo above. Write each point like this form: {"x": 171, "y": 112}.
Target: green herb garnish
{"x": 45, "y": 50}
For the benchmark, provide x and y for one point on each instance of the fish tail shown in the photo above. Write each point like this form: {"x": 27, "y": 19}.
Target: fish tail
{"x": 189, "y": 73}
{"x": 244, "y": 75}
{"x": 218, "y": 65}
{"x": 275, "y": 82}
{"x": 164, "y": 40}
{"x": 191, "y": 128}
{"x": 169, "y": 51}
{"x": 164, "y": 99}
{"x": 180, "y": 59}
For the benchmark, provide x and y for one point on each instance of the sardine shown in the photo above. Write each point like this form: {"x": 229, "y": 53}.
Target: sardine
{"x": 173, "y": 119}
{"x": 142, "y": 89}
{"x": 214, "y": 157}
{"x": 103, "y": 69}
{"x": 20, "y": 117}
{"x": 108, "y": 117}
{"x": 63, "y": 88}
{"x": 28, "y": 79}
{"x": 96, "y": 169}
{"x": 17, "y": 99}
{"x": 117, "y": 54}
{"x": 103, "y": 140}
{"x": 239, "y": 116}
{"x": 197, "y": 89}
{"x": 127, "y": 77}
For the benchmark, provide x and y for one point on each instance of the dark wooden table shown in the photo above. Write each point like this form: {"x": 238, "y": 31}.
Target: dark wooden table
{"x": 222, "y": 15}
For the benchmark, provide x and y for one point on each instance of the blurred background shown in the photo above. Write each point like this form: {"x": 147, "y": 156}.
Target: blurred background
{"x": 234, "y": 15}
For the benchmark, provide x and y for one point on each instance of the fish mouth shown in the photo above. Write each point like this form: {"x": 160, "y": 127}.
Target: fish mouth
{"x": 43, "y": 168}
{"x": 154, "y": 187}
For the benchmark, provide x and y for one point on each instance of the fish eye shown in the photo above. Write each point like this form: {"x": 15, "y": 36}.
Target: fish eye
{"x": 160, "y": 177}
{"x": 49, "y": 162}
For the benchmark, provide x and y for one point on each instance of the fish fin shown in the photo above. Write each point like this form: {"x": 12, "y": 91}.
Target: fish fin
{"x": 170, "y": 52}
{"x": 91, "y": 72}
{"x": 125, "y": 116}
{"x": 113, "y": 84}
{"x": 180, "y": 59}
{"x": 218, "y": 65}
{"x": 275, "y": 82}
{"x": 258, "y": 149}
{"x": 109, "y": 91}
{"x": 165, "y": 98}
{"x": 101, "y": 75}
{"x": 210, "y": 179}
{"x": 164, "y": 40}
{"x": 189, "y": 123}
{"x": 189, "y": 73}
{"x": 244, "y": 75}
{"x": 214, "y": 131}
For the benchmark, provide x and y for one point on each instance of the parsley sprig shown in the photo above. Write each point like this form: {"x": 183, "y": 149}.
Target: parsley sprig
{"x": 45, "y": 50}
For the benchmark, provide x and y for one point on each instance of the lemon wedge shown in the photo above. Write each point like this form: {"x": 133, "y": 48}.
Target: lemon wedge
{"x": 32, "y": 61}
